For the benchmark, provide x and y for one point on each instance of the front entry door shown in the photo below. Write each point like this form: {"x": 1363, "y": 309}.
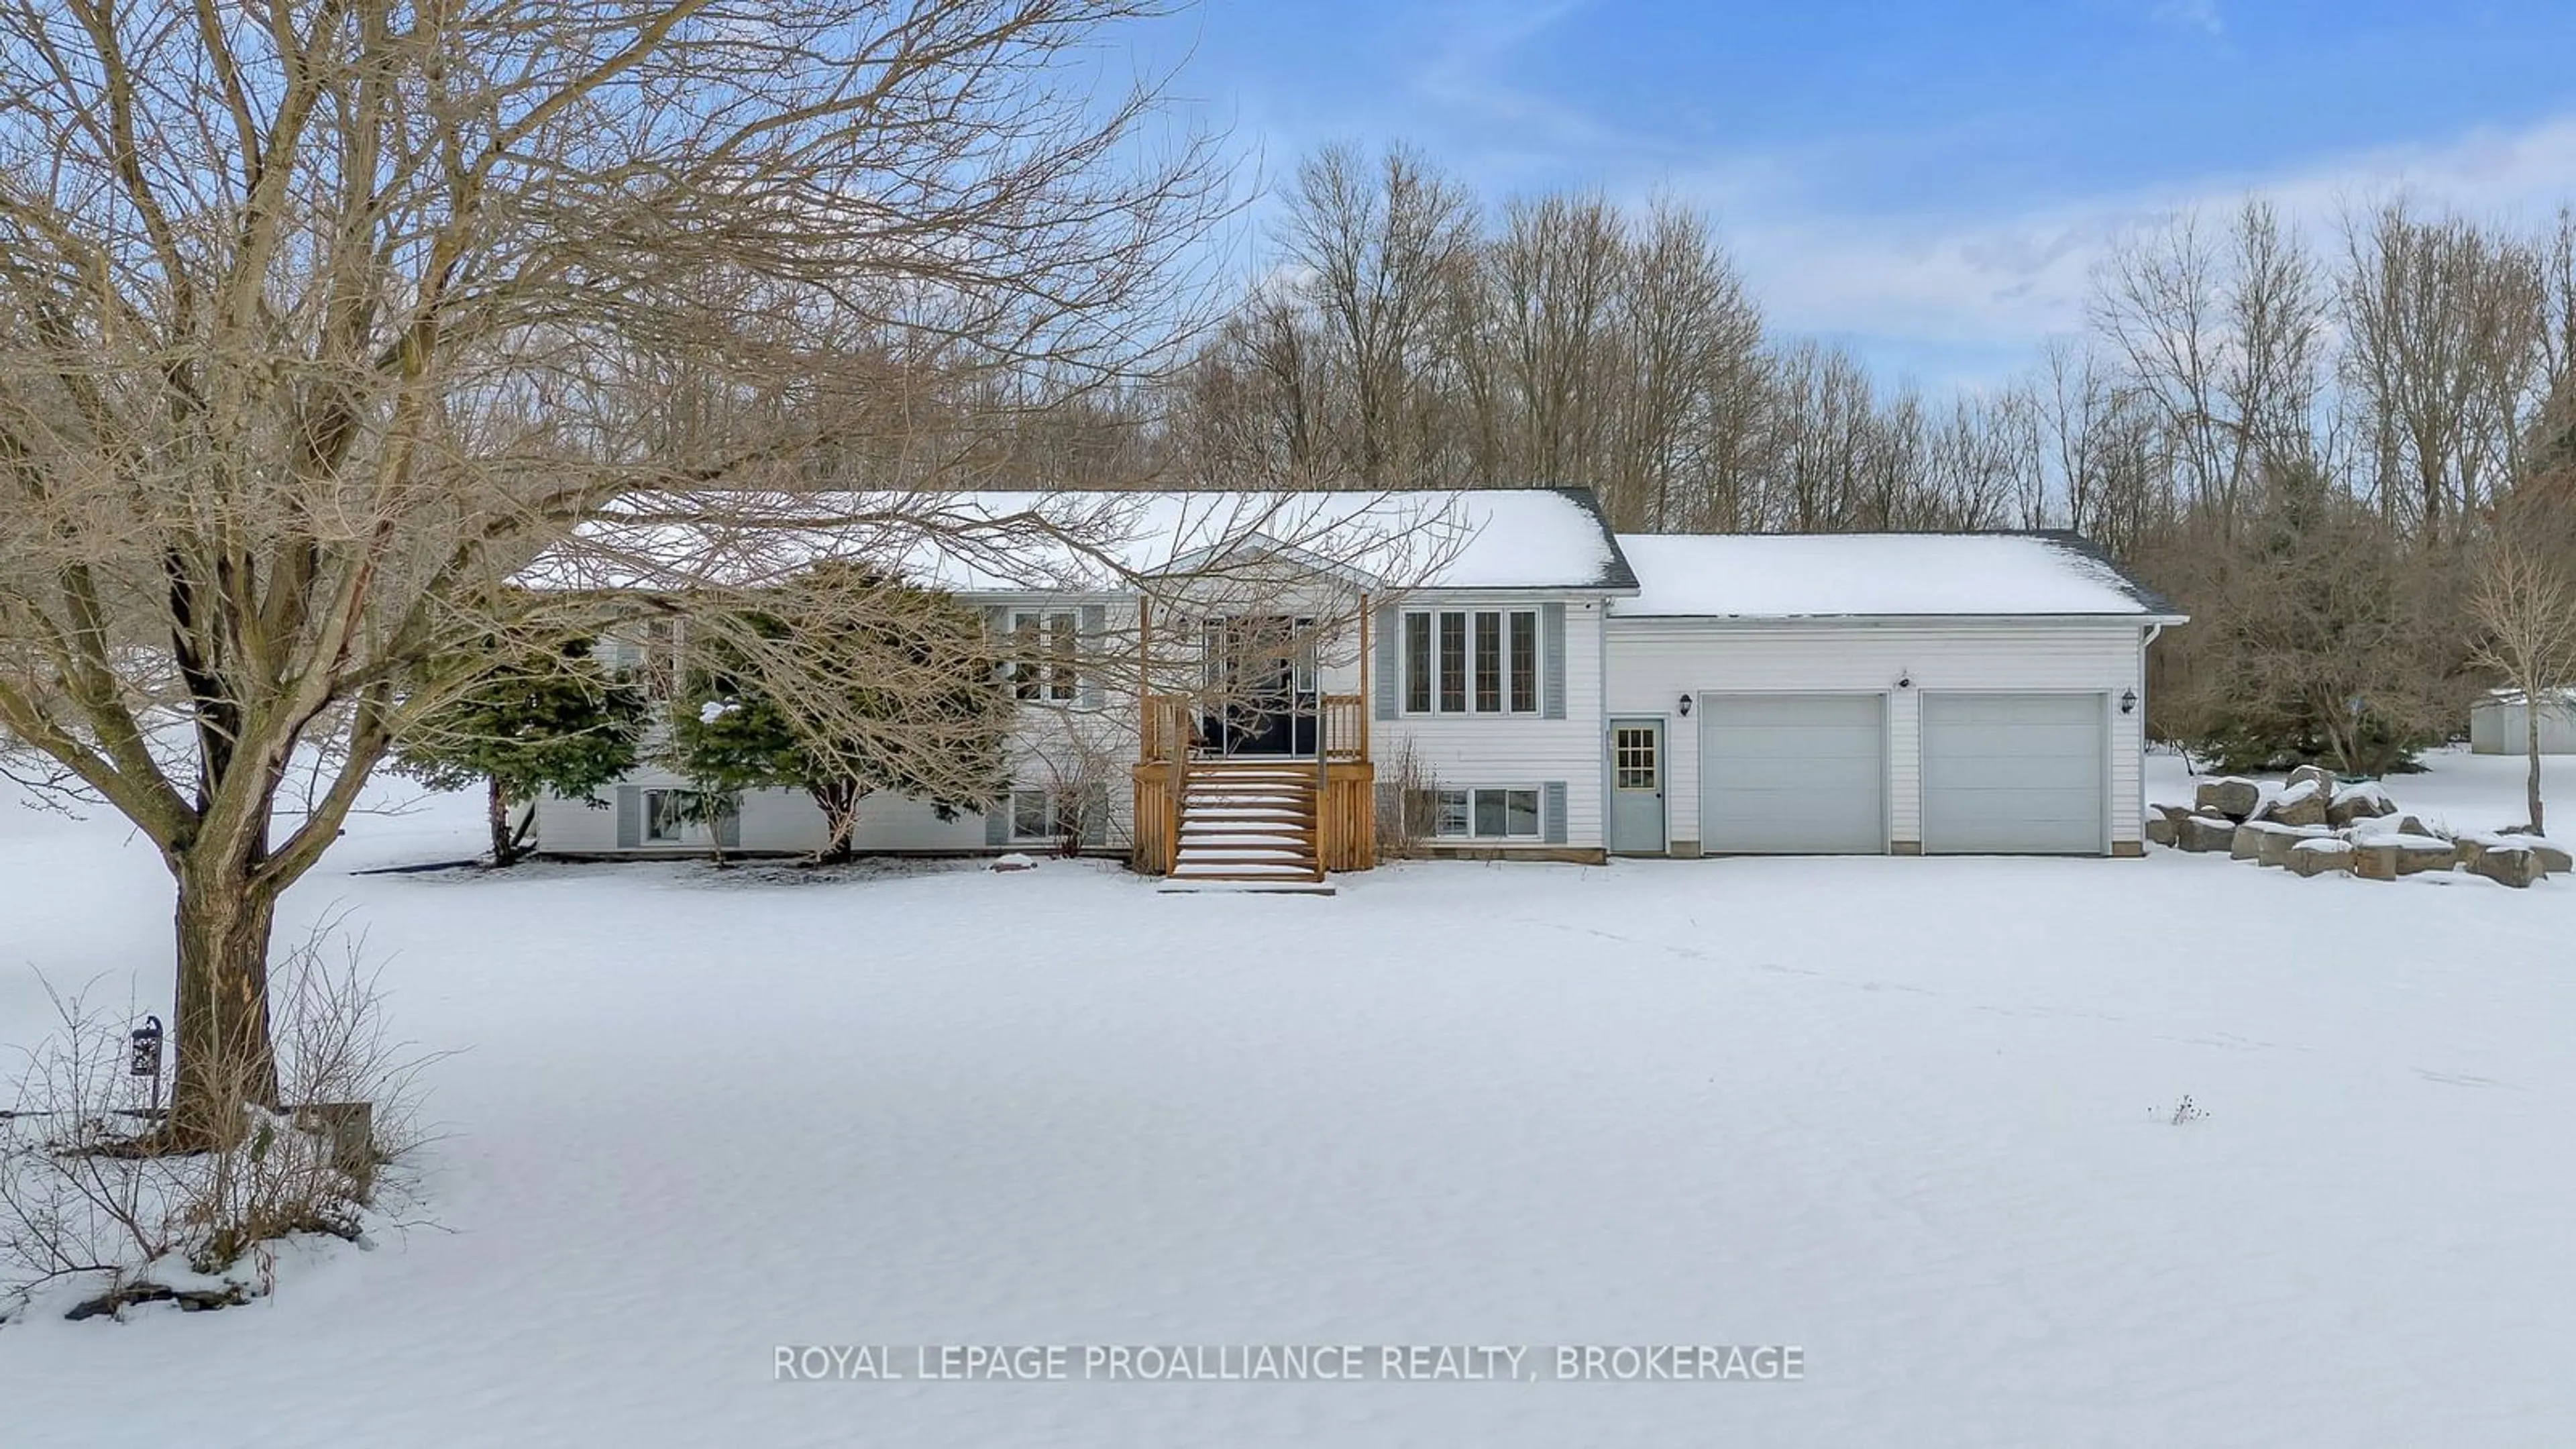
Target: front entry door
{"x": 1261, "y": 684}
{"x": 1637, "y": 786}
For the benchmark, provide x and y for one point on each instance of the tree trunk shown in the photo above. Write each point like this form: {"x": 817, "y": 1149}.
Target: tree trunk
{"x": 505, "y": 841}
{"x": 227, "y": 1057}
{"x": 839, "y": 803}
{"x": 2531, "y": 729}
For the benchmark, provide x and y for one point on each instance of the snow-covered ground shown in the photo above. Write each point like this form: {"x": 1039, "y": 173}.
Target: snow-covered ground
{"x": 1914, "y": 1116}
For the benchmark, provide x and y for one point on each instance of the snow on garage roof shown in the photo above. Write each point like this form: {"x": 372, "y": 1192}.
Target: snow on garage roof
{"x": 1002, "y": 542}
{"x": 1878, "y": 575}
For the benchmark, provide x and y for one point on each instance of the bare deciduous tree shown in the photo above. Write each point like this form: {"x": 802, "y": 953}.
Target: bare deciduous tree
{"x": 319, "y": 317}
{"x": 2445, "y": 337}
{"x": 1374, "y": 245}
{"x": 2524, "y": 608}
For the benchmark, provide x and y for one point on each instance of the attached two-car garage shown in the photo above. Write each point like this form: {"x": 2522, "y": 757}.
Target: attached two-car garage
{"x": 1880, "y": 694}
{"x": 1808, "y": 774}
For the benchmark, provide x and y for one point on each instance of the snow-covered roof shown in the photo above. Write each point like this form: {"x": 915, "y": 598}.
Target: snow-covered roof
{"x": 2564, "y": 694}
{"x": 1005, "y": 542}
{"x": 1878, "y": 575}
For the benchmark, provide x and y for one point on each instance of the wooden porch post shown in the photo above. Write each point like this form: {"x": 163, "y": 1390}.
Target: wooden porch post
{"x": 1144, "y": 674}
{"x": 1368, "y": 680}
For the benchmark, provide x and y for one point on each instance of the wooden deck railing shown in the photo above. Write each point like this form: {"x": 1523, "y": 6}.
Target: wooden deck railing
{"x": 1168, "y": 730}
{"x": 1346, "y": 726}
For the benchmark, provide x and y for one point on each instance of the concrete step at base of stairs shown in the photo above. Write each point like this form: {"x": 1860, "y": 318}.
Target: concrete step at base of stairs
{"x": 1229, "y": 886}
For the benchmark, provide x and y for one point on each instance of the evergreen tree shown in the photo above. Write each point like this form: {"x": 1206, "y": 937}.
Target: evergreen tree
{"x": 553, "y": 721}
{"x": 846, "y": 683}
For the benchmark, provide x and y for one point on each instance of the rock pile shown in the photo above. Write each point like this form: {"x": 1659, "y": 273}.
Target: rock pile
{"x": 2311, "y": 825}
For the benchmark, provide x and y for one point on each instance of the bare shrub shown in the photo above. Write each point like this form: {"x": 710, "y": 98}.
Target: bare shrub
{"x": 1080, "y": 760}
{"x": 1408, "y": 803}
{"x": 94, "y": 1205}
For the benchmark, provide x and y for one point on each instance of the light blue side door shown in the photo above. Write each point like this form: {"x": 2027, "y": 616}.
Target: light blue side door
{"x": 1637, "y": 786}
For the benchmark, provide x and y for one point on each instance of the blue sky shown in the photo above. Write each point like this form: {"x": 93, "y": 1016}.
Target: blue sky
{"x": 1930, "y": 182}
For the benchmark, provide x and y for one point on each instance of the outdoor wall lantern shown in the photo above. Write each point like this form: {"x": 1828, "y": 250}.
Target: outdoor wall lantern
{"x": 2128, "y": 701}
{"x": 1905, "y": 680}
{"x": 1686, "y": 706}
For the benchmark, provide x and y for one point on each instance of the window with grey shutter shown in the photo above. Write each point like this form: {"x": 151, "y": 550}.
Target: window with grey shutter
{"x": 728, "y": 829}
{"x": 1095, "y": 815}
{"x": 630, "y": 816}
{"x": 1551, "y": 812}
{"x": 1387, "y": 650}
{"x": 1095, "y": 623}
{"x": 1551, "y": 662}
{"x": 997, "y": 821}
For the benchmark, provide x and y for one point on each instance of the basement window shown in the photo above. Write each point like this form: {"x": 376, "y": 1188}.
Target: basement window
{"x": 1487, "y": 813}
{"x": 1041, "y": 816}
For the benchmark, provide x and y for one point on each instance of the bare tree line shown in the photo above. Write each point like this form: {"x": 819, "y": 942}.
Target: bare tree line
{"x": 1404, "y": 333}
{"x": 2307, "y": 442}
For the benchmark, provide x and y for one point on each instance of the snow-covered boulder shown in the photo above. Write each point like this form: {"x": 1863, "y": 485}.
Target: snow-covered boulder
{"x": 2247, "y": 842}
{"x": 2303, "y": 802}
{"x": 2162, "y": 830}
{"x": 2321, "y": 855}
{"x": 2280, "y": 840}
{"x": 2386, "y": 857}
{"x": 2553, "y": 857}
{"x": 2352, "y": 804}
{"x": 2317, "y": 775}
{"x": 2384, "y": 825}
{"x": 2205, "y": 833}
{"x": 2514, "y": 865}
{"x": 2229, "y": 796}
{"x": 1014, "y": 861}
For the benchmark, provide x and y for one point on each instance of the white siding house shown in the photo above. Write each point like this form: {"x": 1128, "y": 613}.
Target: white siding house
{"x": 1551, "y": 689}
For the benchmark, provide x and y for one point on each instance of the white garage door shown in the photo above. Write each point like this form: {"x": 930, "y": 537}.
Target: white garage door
{"x": 1792, "y": 774}
{"x": 2021, "y": 774}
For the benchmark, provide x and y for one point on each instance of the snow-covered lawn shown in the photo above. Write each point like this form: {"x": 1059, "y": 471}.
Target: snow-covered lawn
{"x": 1915, "y": 1116}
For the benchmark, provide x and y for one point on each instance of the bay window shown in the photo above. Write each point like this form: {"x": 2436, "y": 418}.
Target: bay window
{"x": 1471, "y": 661}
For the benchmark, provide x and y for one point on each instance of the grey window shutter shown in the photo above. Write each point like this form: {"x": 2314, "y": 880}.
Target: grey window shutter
{"x": 997, "y": 638}
{"x": 1551, "y": 663}
{"x": 1095, "y": 815}
{"x": 1386, "y": 642}
{"x": 1095, "y": 622}
{"x": 997, "y": 821}
{"x": 630, "y": 816}
{"x": 729, "y": 826}
{"x": 1551, "y": 812}
{"x": 615, "y": 652}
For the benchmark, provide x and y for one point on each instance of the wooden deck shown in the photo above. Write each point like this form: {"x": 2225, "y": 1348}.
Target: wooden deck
{"x": 1256, "y": 818}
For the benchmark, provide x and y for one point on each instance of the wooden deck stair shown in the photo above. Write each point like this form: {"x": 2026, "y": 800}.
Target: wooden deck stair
{"x": 1248, "y": 821}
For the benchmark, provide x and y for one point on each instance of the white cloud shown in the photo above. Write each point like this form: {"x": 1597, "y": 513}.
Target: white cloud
{"x": 1969, "y": 281}
{"x": 1936, "y": 282}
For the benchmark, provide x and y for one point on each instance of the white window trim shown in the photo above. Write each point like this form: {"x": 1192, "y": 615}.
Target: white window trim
{"x": 687, "y": 832}
{"x": 1538, "y": 813}
{"x": 1055, "y": 815}
{"x": 1044, "y": 616}
{"x": 1538, "y": 662}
